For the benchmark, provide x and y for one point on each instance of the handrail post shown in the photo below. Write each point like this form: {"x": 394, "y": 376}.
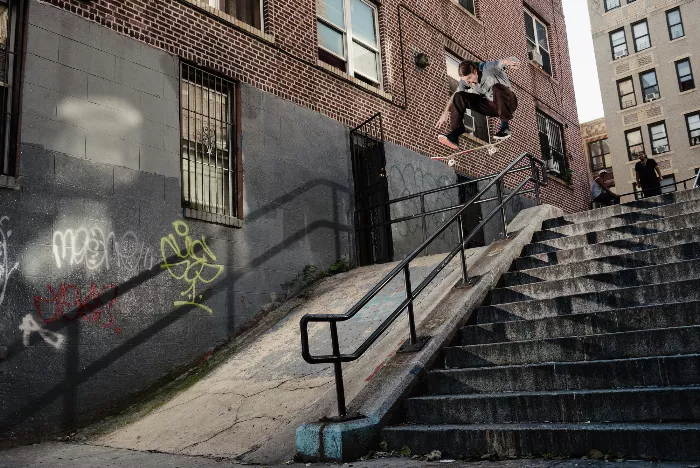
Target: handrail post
{"x": 409, "y": 296}
{"x": 499, "y": 192}
{"x": 338, "y": 367}
{"x": 536, "y": 180}
{"x": 424, "y": 225}
{"x": 461, "y": 250}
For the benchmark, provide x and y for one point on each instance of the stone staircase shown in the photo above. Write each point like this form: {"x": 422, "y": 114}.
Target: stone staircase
{"x": 592, "y": 342}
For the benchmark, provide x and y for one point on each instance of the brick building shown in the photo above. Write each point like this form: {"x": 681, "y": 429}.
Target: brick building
{"x": 183, "y": 162}
{"x": 644, "y": 52}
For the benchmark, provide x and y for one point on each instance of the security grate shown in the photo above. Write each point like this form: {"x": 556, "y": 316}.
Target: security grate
{"x": 207, "y": 129}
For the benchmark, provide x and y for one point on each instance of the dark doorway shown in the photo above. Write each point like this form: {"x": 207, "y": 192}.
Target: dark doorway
{"x": 372, "y": 213}
{"x": 472, "y": 217}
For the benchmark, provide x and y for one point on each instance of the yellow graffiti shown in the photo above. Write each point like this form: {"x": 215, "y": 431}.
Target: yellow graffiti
{"x": 194, "y": 269}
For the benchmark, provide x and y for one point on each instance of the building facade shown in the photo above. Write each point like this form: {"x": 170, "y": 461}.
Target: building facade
{"x": 646, "y": 56}
{"x": 171, "y": 169}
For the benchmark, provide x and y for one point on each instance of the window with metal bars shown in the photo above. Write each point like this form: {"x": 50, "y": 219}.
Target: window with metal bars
{"x": 552, "y": 142}
{"x": 12, "y": 13}
{"x": 208, "y": 140}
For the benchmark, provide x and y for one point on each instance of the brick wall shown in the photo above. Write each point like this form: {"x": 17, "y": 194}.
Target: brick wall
{"x": 283, "y": 62}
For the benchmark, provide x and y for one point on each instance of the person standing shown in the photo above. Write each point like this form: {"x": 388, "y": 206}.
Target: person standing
{"x": 648, "y": 176}
{"x": 600, "y": 193}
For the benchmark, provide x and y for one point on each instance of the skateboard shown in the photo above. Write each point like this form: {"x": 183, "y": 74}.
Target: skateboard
{"x": 491, "y": 149}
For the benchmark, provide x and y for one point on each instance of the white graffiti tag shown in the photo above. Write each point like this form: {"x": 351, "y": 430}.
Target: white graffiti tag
{"x": 90, "y": 247}
{"x": 6, "y": 268}
{"x": 29, "y": 326}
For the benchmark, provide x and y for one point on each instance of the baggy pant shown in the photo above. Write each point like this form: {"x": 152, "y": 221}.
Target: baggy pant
{"x": 504, "y": 104}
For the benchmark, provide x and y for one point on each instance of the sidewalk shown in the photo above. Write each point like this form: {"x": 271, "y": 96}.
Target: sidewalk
{"x": 63, "y": 455}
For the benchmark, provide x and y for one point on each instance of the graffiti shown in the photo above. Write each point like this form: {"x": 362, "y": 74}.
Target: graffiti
{"x": 91, "y": 247}
{"x": 29, "y": 326}
{"x": 6, "y": 267}
{"x": 67, "y": 302}
{"x": 194, "y": 267}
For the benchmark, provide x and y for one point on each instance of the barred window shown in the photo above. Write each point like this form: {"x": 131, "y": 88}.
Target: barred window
{"x": 209, "y": 156}
{"x": 552, "y": 142}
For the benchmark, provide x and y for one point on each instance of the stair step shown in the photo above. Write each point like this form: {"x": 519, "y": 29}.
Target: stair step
{"x": 624, "y": 219}
{"x": 671, "y": 404}
{"x": 677, "y": 253}
{"x": 637, "y": 296}
{"x": 633, "y": 206}
{"x": 612, "y": 321}
{"x": 609, "y": 249}
{"x": 656, "y": 371}
{"x": 633, "y": 344}
{"x": 619, "y": 233}
{"x": 678, "y": 271}
{"x": 634, "y": 440}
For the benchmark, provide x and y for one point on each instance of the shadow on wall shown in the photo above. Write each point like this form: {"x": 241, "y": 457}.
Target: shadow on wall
{"x": 77, "y": 353}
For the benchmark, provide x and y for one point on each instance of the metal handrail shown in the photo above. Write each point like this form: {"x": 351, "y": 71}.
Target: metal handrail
{"x": 636, "y": 192}
{"x": 411, "y": 294}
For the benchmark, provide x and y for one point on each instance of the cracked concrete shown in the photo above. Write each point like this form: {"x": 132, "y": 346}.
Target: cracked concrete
{"x": 250, "y": 406}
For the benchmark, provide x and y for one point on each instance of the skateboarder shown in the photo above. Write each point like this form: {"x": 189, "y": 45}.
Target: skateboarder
{"x": 648, "y": 176}
{"x": 600, "y": 193}
{"x": 492, "y": 97}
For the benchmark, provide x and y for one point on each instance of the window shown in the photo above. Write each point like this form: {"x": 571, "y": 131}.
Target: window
{"x": 618, "y": 43}
{"x": 625, "y": 91}
{"x": 692, "y": 121}
{"x": 12, "y": 26}
{"x": 248, "y": 11}
{"x": 600, "y": 155}
{"x": 668, "y": 184}
{"x": 685, "y": 75}
{"x": 640, "y": 32}
{"x": 348, "y": 38}
{"x": 468, "y": 5}
{"x": 209, "y": 156}
{"x": 675, "y": 23}
{"x": 659, "y": 138}
{"x": 551, "y": 142}
{"x": 611, "y": 4}
{"x": 650, "y": 86}
{"x": 475, "y": 122}
{"x": 538, "y": 41}
{"x": 635, "y": 144}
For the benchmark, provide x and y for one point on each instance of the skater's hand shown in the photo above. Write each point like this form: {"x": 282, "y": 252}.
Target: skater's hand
{"x": 442, "y": 120}
{"x": 511, "y": 63}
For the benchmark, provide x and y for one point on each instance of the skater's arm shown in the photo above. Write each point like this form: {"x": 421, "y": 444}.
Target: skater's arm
{"x": 444, "y": 117}
{"x": 511, "y": 63}
{"x": 658, "y": 172}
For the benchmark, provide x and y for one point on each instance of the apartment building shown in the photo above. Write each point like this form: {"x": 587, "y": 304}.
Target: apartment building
{"x": 646, "y": 52}
{"x": 596, "y": 150}
{"x": 171, "y": 169}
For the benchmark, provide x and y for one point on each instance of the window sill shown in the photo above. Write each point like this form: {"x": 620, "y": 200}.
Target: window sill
{"x": 640, "y": 106}
{"x": 537, "y": 67}
{"x": 341, "y": 74}
{"x": 212, "y": 218}
{"x": 687, "y": 92}
{"x": 228, "y": 19}
{"x": 9, "y": 182}
{"x": 678, "y": 39}
{"x": 695, "y": 147}
{"x": 469, "y": 13}
{"x": 558, "y": 180}
{"x": 633, "y": 55}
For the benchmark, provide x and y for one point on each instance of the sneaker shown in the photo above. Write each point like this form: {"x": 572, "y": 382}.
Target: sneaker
{"x": 449, "y": 140}
{"x": 504, "y": 132}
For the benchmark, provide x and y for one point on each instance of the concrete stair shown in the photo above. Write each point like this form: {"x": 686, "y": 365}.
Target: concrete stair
{"x": 592, "y": 341}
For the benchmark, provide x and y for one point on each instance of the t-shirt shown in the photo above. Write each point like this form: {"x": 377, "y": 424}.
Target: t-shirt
{"x": 647, "y": 175}
{"x": 596, "y": 189}
{"x": 490, "y": 74}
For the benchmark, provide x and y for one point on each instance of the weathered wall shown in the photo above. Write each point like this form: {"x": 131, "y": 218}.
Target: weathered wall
{"x": 88, "y": 313}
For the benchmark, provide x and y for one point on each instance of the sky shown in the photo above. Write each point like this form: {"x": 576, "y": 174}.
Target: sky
{"x": 583, "y": 67}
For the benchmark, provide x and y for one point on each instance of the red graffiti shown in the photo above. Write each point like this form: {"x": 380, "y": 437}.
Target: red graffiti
{"x": 67, "y": 302}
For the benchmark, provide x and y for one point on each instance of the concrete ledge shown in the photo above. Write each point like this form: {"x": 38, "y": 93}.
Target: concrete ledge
{"x": 346, "y": 441}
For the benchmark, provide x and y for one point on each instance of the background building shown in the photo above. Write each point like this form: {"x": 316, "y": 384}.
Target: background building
{"x": 596, "y": 149}
{"x": 183, "y": 162}
{"x": 646, "y": 55}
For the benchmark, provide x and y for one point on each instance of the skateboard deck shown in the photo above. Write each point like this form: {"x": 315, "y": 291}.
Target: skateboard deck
{"x": 491, "y": 149}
